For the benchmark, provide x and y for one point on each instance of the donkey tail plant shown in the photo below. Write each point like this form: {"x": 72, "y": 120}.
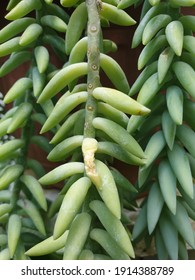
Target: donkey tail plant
{"x": 168, "y": 175}
{"x": 80, "y": 143}
{"x": 90, "y": 125}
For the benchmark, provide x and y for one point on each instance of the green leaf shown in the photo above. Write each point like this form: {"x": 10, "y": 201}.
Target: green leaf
{"x": 154, "y": 206}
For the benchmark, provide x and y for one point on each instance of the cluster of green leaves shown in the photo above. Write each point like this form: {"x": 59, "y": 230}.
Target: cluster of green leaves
{"x": 166, "y": 86}
{"x": 91, "y": 125}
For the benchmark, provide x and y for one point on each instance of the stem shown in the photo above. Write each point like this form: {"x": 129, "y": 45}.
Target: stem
{"x": 26, "y": 134}
{"x": 93, "y": 55}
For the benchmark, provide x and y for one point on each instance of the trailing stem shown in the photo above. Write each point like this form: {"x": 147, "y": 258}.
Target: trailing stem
{"x": 89, "y": 146}
{"x": 93, "y": 54}
{"x": 26, "y": 134}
